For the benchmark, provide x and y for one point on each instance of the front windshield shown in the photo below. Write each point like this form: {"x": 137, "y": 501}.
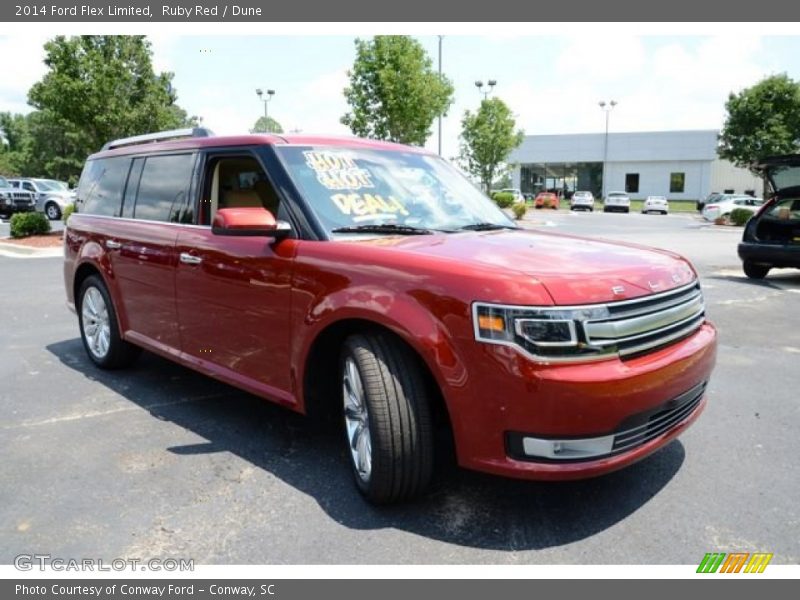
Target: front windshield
{"x": 47, "y": 185}
{"x": 4, "y": 182}
{"x": 362, "y": 187}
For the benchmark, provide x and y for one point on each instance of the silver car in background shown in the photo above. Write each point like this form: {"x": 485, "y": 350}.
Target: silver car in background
{"x": 657, "y": 204}
{"x": 582, "y": 201}
{"x": 617, "y": 201}
{"x": 51, "y": 197}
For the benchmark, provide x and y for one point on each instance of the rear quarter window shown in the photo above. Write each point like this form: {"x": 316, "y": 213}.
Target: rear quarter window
{"x": 101, "y": 186}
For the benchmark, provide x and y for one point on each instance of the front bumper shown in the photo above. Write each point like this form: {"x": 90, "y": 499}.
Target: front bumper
{"x": 579, "y": 401}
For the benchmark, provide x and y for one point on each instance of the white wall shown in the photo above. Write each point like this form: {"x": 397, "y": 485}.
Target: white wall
{"x": 726, "y": 176}
{"x": 654, "y": 178}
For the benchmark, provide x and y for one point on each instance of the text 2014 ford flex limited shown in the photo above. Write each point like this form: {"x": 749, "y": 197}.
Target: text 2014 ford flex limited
{"x": 373, "y": 279}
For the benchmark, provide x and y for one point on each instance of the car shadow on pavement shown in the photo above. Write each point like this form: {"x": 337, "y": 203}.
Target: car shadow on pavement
{"x": 463, "y": 507}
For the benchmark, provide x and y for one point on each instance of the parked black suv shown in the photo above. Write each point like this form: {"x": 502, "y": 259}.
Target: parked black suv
{"x": 772, "y": 237}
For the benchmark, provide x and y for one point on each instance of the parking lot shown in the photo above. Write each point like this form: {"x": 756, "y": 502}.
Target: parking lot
{"x": 161, "y": 461}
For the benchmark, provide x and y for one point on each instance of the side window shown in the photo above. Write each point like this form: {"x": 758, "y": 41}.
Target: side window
{"x": 235, "y": 182}
{"x": 632, "y": 183}
{"x": 101, "y": 184}
{"x": 677, "y": 183}
{"x": 163, "y": 186}
{"x": 27, "y": 185}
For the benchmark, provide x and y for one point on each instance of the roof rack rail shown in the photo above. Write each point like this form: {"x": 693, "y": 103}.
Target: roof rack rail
{"x": 159, "y": 136}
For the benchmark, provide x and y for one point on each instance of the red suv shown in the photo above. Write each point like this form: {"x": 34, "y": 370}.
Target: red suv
{"x": 374, "y": 279}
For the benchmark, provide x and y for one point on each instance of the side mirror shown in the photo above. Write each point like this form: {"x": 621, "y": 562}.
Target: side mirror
{"x": 249, "y": 221}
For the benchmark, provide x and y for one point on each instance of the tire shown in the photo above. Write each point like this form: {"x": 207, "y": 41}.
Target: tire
{"x": 386, "y": 410}
{"x": 99, "y": 330}
{"x": 52, "y": 211}
{"x": 755, "y": 271}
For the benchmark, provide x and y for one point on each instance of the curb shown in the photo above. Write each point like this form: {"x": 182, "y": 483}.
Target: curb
{"x": 11, "y": 250}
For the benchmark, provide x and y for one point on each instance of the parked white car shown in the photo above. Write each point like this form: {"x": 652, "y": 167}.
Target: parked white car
{"x": 657, "y": 204}
{"x": 51, "y": 197}
{"x": 617, "y": 201}
{"x": 582, "y": 201}
{"x": 518, "y": 197}
{"x": 711, "y": 212}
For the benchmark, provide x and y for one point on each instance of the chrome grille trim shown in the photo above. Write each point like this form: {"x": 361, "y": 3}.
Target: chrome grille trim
{"x": 649, "y": 322}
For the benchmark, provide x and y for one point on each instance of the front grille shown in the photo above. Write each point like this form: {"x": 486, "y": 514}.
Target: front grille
{"x": 658, "y": 422}
{"x": 635, "y": 326}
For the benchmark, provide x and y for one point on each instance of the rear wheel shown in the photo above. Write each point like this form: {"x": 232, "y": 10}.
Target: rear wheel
{"x": 99, "y": 330}
{"x": 755, "y": 271}
{"x": 387, "y": 418}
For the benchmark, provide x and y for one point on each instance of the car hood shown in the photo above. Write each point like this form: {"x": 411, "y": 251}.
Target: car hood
{"x": 574, "y": 270}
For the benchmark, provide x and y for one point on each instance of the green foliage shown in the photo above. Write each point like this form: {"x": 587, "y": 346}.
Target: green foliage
{"x": 97, "y": 88}
{"x": 503, "y": 199}
{"x": 68, "y": 210}
{"x": 740, "y": 216}
{"x": 762, "y": 120}
{"x": 487, "y": 138}
{"x": 394, "y": 93}
{"x": 519, "y": 209}
{"x": 30, "y": 223}
{"x": 266, "y": 124}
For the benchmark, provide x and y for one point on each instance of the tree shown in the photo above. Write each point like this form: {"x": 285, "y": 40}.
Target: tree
{"x": 272, "y": 126}
{"x": 394, "y": 93}
{"x": 762, "y": 120}
{"x": 97, "y": 88}
{"x": 487, "y": 138}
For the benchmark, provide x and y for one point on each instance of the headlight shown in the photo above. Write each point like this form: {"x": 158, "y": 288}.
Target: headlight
{"x": 546, "y": 333}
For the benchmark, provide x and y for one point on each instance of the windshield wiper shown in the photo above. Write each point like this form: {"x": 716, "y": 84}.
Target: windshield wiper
{"x": 384, "y": 228}
{"x": 485, "y": 227}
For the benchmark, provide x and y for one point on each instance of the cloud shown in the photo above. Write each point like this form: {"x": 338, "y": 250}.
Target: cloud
{"x": 21, "y": 65}
{"x": 673, "y": 85}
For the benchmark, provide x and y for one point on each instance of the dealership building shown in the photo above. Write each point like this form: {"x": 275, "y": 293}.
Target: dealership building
{"x": 681, "y": 165}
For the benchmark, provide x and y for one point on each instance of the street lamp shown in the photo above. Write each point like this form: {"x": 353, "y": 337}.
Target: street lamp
{"x": 265, "y": 100}
{"x": 606, "y": 107}
{"x": 490, "y": 86}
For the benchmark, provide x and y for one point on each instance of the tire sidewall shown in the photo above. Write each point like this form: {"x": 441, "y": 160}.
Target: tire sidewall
{"x": 94, "y": 281}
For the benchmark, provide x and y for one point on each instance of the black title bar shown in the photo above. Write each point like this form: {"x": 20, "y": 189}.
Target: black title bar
{"x": 198, "y": 11}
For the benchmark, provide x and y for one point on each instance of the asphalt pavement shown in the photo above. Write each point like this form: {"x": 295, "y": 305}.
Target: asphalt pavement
{"x": 158, "y": 461}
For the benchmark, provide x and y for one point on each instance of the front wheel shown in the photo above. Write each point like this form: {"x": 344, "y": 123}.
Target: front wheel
{"x": 99, "y": 330}
{"x": 387, "y": 418}
{"x": 755, "y": 271}
{"x": 52, "y": 211}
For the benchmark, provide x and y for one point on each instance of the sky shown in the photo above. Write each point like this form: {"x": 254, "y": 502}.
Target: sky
{"x": 552, "y": 80}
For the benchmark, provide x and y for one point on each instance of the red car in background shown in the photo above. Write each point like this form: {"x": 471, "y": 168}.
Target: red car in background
{"x": 546, "y": 200}
{"x": 373, "y": 279}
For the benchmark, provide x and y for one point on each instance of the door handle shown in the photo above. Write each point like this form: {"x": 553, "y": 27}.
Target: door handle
{"x": 190, "y": 259}
{"x": 113, "y": 244}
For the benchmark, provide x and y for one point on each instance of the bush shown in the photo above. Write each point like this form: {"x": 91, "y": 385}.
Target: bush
{"x": 503, "y": 199}
{"x": 32, "y": 223}
{"x": 68, "y": 210}
{"x": 519, "y": 209}
{"x": 740, "y": 216}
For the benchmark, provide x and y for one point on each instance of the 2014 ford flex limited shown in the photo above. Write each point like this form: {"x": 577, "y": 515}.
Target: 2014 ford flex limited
{"x": 373, "y": 279}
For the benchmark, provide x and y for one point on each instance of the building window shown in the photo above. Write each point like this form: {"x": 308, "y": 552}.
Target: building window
{"x": 632, "y": 183}
{"x": 677, "y": 182}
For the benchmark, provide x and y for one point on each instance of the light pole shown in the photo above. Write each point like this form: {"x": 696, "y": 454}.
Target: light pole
{"x": 441, "y": 37}
{"x": 606, "y": 107}
{"x": 490, "y": 86}
{"x": 270, "y": 94}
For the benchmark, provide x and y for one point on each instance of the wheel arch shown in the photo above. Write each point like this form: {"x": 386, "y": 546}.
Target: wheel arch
{"x": 320, "y": 369}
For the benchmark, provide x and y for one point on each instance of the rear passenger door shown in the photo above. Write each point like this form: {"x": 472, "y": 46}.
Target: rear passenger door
{"x": 141, "y": 246}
